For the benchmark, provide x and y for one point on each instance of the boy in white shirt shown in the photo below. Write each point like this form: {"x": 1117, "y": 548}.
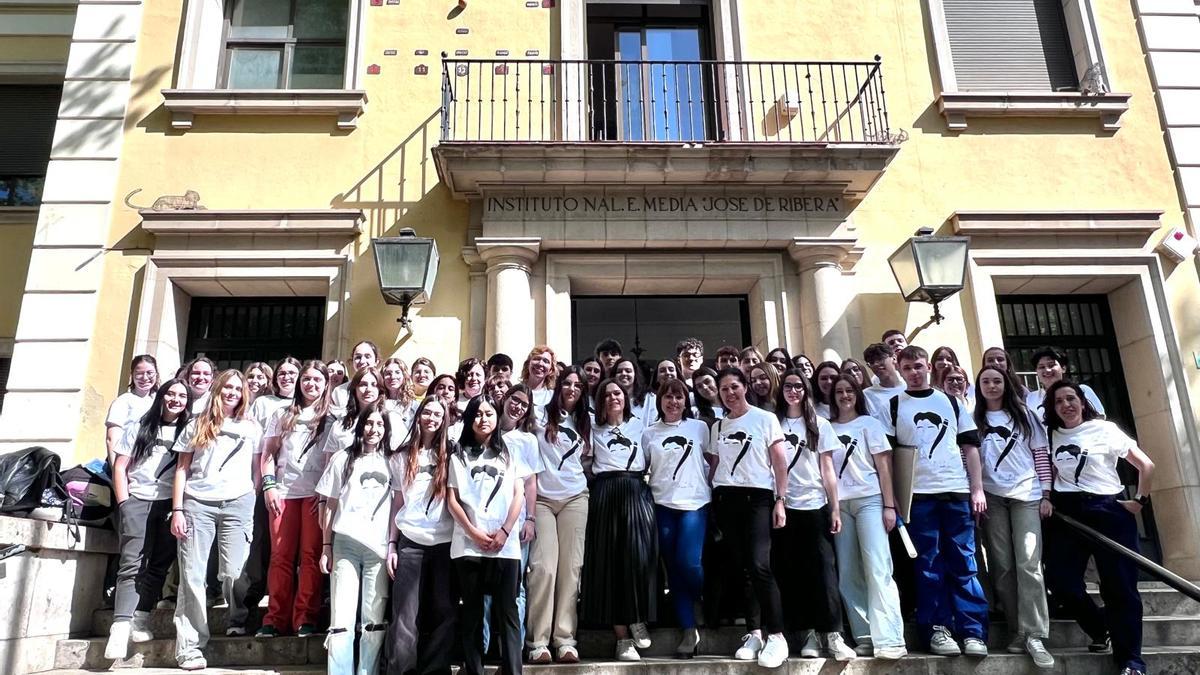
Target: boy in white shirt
{"x": 947, "y": 494}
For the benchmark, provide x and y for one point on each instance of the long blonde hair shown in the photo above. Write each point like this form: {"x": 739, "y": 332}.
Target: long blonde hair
{"x": 320, "y": 407}
{"x": 406, "y": 390}
{"x": 209, "y": 422}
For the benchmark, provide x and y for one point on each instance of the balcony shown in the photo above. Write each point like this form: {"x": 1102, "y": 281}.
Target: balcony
{"x": 821, "y": 126}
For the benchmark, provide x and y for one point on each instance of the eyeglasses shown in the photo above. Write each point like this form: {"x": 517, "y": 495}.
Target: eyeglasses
{"x": 518, "y": 403}
{"x": 956, "y": 380}
{"x": 793, "y": 386}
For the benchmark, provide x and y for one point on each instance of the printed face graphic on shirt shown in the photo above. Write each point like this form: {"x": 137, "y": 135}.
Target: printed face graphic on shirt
{"x": 373, "y": 480}
{"x": 170, "y": 460}
{"x": 1008, "y": 437}
{"x": 798, "y": 445}
{"x": 738, "y": 438}
{"x": 576, "y": 443}
{"x": 236, "y": 440}
{"x": 1080, "y": 454}
{"x": 930, "y": 425}
{"x": 622, "y": 443}
{"x": 851, "y": 444}
{"x": 685, "y": 445}
{"x": 483, "y": 474}
{"x": 427, "y": 470}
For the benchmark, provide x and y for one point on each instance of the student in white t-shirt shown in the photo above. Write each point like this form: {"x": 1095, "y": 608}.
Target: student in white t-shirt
{"x": 398, "y": 396}
{"x": 444, "y": 388}
{"x": 283, "y": 390}
{"x": 366, "y": 387}
{"x": 486, "y": 496}
{"x": 212, "y": 500}
{"x": 423, "y": 372}
{"x": 802, "y": 550}
{"x": 882, "y": 361}
{"x": 749, "y": 488}
{"x": 1085, "y": 450}
{"x": 764, "y": 384}
{"x": 676, "y": 448}
{"x": 947, "y": 497}
{"x": 820, "y": 385}
{"x": 419, "y": 547}
{"x": 1016, "y": 480}
{"x": 706, "y": 400}
{"x": 593, "y": 371}
{"x": 628, "y": 374}
{"x": 200, "y": 372}
{"x": 556, "y": 556}
{"x": 998, "y": 358}
{"x": 863, "y": 462}
{"x": 1051, "y": 366}
{"x": 292, "y": 462}
{"x": 143, "y": 478}
{"x": 132, "y": 403}
{"x": 364, "y": 355}
{"x": 621, "y": 559}
{"x": 258, "y": 381}
{"x": 357, "y": 486}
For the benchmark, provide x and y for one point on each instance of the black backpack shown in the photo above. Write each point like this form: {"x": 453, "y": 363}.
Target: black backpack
{"x": 29, "y": 480}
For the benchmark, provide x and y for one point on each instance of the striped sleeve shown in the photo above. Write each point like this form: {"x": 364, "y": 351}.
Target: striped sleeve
{"x": 1041, "y": 465}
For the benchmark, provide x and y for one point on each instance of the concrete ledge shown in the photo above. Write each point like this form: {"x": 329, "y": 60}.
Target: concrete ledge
{"x": 231, "y": 221}
{"x": 185, "y": 104}
{"x": 1056, "y": 222}
{"x": 43, "y": 535}
{"x": 957, "y": 106}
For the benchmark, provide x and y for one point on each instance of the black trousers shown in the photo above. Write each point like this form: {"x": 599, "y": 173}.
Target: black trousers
{"x": 744, "y": 516}
{"x": 803, "y": 558}
{"x": 424, "y": 608}
{"x": 1066, "y": 560}
{"x": 499, "y": 578}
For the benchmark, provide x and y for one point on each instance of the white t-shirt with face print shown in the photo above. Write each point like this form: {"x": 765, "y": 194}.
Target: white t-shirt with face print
{"x": 128, "y": 407}
{"x": 562, "y": 476}
{"x": 1085, "y": 458}
{"x": 1036, "y": 401}
{"x": 152, "y": 478}
{"x": 859, "y": 440}
{"x": 678, "y": 469}
{"x": 618, "y": 447}
{"x": 301, "y": 457}
{"x": 422, "y": 519}
{"x": 927, "y": 421}
{"x": 879, "y": 398}
{"x": 1006, "y": 453}
{"x": 541, "y": 399}
{"x": 805, "y": 490}
{"x": 485, "y": 482}
{"x": 224, "y": 469}
{"x": 742, "y": 446}
{"x": 364, "y": 499}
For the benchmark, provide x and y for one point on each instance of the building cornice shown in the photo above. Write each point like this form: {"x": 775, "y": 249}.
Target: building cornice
{"x": 347, "y": 222}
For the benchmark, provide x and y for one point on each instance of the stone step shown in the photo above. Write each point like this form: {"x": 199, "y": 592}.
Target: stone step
{"x": 248, "y": 651}
{"x": 1159, "y": 660}
{"x": 1160, "y": 600}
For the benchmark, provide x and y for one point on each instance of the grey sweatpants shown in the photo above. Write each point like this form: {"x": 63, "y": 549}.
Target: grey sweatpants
{"x": 147, "y": 551}
{"x": 230, "y": 524}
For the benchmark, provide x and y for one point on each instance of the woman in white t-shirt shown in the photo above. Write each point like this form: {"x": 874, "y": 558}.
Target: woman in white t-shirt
{"x": 200, "y": 372}
{"x": 1085, "y": 450}
{"x": 676, "y": 448}
{"x": 628, "y": 374}
{"x": 802, "y": 550}
{"x": 486, "y": 495}
{"x": 621, "y": 560}
{"x": 540, "y": 375}
{"x": 212, "y": 501}
{"x": 749, "y": 484}
{"x": 366, "y": 387}
{"x": 594, "y": 372}
{"x": 398, "y": 391}
{"x": 283, "y": 390}
{"x": 821, "y": 386}
{"x": 292, "y": 462}
{"x": 423, "y": 372}
{"x": 258, "y": 381}
{"x": 764, "y": 384}
{"x": 863, "y": 462}
{"x": 132, "y": 403}
{"x": 418, "y": 559}
{"x": 706, "y": 400}
{"x": 337, "y": 373}
{"x": 561, "y": 513}
{"x": 357, "y": 486}
{"x": 143, "y": 476}
{"x": 1016, "y": 482}
{"x": 364, "y": 355}
{"x": 469, "y": 378}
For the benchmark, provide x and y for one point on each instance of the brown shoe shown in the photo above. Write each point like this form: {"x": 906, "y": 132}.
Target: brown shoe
{"x": 568, "y": 654}
{"x": 539, "y": 655}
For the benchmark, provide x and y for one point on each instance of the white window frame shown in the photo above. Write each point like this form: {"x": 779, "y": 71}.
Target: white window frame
{"x": 1086, "y": 47}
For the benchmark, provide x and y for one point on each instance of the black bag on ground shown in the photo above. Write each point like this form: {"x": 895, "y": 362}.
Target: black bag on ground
{"x": 29, "y": 480}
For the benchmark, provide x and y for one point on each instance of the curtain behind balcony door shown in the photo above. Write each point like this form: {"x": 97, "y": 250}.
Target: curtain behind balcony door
{"x": 1010, "y": 45}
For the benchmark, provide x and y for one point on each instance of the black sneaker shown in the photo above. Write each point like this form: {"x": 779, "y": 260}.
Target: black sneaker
{"x": 306, "y": 629}
{"x": 1101, "y": 646}
{"x": 267, "y": 632}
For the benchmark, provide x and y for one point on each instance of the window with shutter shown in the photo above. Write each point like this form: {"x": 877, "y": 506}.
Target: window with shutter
{"x": 1010, "y": 45}
{"x": 28, "y": 114}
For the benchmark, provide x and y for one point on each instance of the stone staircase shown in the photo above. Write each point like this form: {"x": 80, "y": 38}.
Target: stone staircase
{"x": 1172, "y": 645}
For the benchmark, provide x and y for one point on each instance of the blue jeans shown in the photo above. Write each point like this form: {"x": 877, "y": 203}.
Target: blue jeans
{"x": 865, "y": 574}
{"x": 487, "y": 603}
{"x": 948, "y": 592}
{"x": 681, "y": 544}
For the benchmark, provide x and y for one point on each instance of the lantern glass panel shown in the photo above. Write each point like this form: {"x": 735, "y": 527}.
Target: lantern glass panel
{"x": 904, "y": 266}
{"x": 402, "y": 265}
{"x": 942, "y": 262}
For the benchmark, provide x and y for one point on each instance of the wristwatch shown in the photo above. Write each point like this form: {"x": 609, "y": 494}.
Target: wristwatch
{"x": 1144, "y": 500}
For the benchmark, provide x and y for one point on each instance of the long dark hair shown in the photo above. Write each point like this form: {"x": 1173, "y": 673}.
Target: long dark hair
{"x": 1010, "y": 402}
{"x": 439, "y": 444}
{"x": 452, "y": 415}
{"x": 151, "y": 423}
{"x": 579, "y": 416}
{"x": 527, "y": 423}
{"x": 1052, "y": 420}
{"x": 815, "y": 382}
{"x": 860, "y": 401}
{"x": 602, "y": 412}
{"x": 704, "y": 407}
{"x": 807, "y": 411}
{"x": 637, "y": 393}
{"x": 356, "y": 446}
{"x": 139, "y": 360}
{"x": 352, "y": 408}
{"x": 466, "y": 439}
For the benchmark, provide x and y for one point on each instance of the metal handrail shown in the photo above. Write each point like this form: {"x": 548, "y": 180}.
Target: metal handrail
{"x": 1147, "y": 565}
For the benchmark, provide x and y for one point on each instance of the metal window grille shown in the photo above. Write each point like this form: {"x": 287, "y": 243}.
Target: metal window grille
{"x": 234, "y": 332}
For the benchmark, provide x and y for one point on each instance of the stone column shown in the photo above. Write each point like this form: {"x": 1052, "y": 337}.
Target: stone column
{"x": 825, "y": 295}
{"x": 477, "y": 331}
{"x": 510, "y": 316}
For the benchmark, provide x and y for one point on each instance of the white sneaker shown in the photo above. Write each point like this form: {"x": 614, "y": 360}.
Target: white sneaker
{"x": 942, "y": 644}
{"x": 891, "y": 653}
{"x": 774, "y": 653}
{"x": 973, "y": 646}
{"x": 139, "y": 628}
{"x": 539, "y": 655}
{"x": 641, "y": 635}
{"x": 1041, "y": 657}
{"x": 118, "y": 641}
{"x": 837, "y": 647}
{"x": 627, "y": 651}
{"x": 864, "y": 648}
{"x": 751, "y": 646}
{"x": 811, "y": 648}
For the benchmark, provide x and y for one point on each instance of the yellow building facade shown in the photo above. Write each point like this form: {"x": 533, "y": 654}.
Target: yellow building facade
{"x": 540, "y": 155}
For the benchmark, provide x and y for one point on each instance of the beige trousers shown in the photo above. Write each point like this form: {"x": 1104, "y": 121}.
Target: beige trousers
{"x": 555, "y": 559}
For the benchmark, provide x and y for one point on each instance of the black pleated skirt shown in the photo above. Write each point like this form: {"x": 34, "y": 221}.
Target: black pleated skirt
{"x": 620, "y": 561}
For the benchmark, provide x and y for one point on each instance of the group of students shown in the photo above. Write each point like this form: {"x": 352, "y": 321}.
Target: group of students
{"x": 441, "y": 503}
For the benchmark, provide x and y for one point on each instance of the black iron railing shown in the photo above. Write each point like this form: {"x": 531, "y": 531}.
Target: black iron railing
{"x": 490, "y": 100}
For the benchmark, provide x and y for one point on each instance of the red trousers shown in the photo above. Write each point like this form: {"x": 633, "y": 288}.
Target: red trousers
{"x": 295, "y": 543}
